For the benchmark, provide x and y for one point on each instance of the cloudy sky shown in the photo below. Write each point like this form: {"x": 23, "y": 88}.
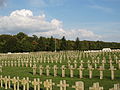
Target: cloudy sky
{"x": 86, "y": 19}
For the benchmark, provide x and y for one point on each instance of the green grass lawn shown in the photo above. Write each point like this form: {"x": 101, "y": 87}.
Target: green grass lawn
{"x": 106, "y": 82}
{"x": 27, "y": 72}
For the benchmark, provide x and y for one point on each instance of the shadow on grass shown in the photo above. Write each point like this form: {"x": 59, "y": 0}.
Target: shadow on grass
{"x": 31, "y": 72}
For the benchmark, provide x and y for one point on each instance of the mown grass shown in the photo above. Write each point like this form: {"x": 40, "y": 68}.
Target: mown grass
{"x": 106, "y": 82}
{"x": 27, "y": 72}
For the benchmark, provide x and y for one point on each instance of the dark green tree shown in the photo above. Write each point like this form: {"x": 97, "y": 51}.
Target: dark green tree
{"x": 77, "y": 44}
{"x": 70, "y": 45}
{"x": 24, "y": 43}
{"x": 84, "y": 45}
{"x": 52, "y": 44}
{"x": 41, "y": 44}
{"x": 21, "y": 35}
{"x": 63, "y": 45}
{"x": 35, "y": 37}
{"x": 27, "y": 44}
{"x": 10, "y": 44}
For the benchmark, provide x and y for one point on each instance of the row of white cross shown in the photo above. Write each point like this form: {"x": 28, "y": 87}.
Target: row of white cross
{"x": 96, "y": 63}
{"x": 48, "y": 84}
{"x": 71, "y": 69}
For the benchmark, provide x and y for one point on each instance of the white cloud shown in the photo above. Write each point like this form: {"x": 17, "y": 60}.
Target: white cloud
{"x": 23, "y": 12}
{"x": 25, "y": 21}
{"x": 57, "y": 23}
{"x": 83, "y": 34}
{"x": 89, "y": 34}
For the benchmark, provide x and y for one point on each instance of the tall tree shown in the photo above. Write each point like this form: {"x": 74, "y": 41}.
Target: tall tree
{"x": 35, "y": 37}
{"x": 34, "y": 42}
{"x": 10, "y": 44}
{"x": 27, "y": 44}
{"x": 22, "y": 42}
{"x": 63, "y": 45}
{"x": 41, "y": 44}
{"x": 21, "y": 35}
{"x": 77, "y": 44}
{"x": 52, "y": 44}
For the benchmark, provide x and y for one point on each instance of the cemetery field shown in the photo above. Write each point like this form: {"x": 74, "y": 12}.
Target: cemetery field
{"x": 25, "y": 65}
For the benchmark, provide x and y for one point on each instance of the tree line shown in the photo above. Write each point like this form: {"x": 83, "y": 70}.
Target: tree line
{"x": 21, "y": 42}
